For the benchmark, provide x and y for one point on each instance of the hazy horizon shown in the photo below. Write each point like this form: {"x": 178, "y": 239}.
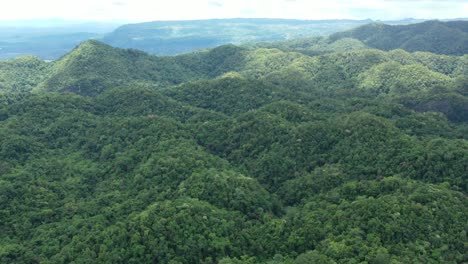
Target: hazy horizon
{"x": 135, "y": 11}
{"x": 64, "y": 23}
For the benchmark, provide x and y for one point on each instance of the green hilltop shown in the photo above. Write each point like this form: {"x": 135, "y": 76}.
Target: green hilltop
{"x": 449, "y": 38}
{"x": 304, "y": 151}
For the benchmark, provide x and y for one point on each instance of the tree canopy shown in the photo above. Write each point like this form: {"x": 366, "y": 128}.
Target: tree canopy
{"x": 234, "y": 155}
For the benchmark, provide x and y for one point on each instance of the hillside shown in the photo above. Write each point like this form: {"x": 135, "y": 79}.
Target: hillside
{"x": 22, "y": 74}
{"x": 266, "y": 153}
{"x": 449, "y": 38}
{"x": 93, "y": 67}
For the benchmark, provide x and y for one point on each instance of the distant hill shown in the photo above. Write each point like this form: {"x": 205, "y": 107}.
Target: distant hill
{"x": 51, "y": 39}
{"x": 93, "y": 67}
{"x": 449, "y": 38}
{"x": 176, "y": 37}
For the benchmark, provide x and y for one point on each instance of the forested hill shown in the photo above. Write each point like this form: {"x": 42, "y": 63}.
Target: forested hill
{"x": 449, "y": 38}
{"x": 177, "y": 37}
{"x": 317, "y": 153}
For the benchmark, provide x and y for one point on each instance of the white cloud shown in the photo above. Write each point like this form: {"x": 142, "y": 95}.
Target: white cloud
{"x": 148, "y": 10}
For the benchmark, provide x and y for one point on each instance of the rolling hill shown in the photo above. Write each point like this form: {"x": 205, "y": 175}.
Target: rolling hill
{"x": 449, "y": 38}
{"x": 293, "y": 152}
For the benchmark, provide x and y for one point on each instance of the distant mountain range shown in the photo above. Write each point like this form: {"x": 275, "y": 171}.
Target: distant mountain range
{"x": 171, "y": 38}
{"x": 51, "y": 39}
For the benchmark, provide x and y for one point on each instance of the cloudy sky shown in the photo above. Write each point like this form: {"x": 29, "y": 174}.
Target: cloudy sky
{"x": 150, "y": 10}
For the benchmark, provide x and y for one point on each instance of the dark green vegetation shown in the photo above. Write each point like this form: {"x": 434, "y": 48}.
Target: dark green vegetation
{"x": 449, "y": 38}
{"x": 235, "y": 155}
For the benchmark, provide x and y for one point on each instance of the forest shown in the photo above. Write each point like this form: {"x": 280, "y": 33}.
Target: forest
{"x": 317, "y": 150}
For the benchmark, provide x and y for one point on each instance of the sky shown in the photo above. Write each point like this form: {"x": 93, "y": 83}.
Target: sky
{"x": 152, "y": 10}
